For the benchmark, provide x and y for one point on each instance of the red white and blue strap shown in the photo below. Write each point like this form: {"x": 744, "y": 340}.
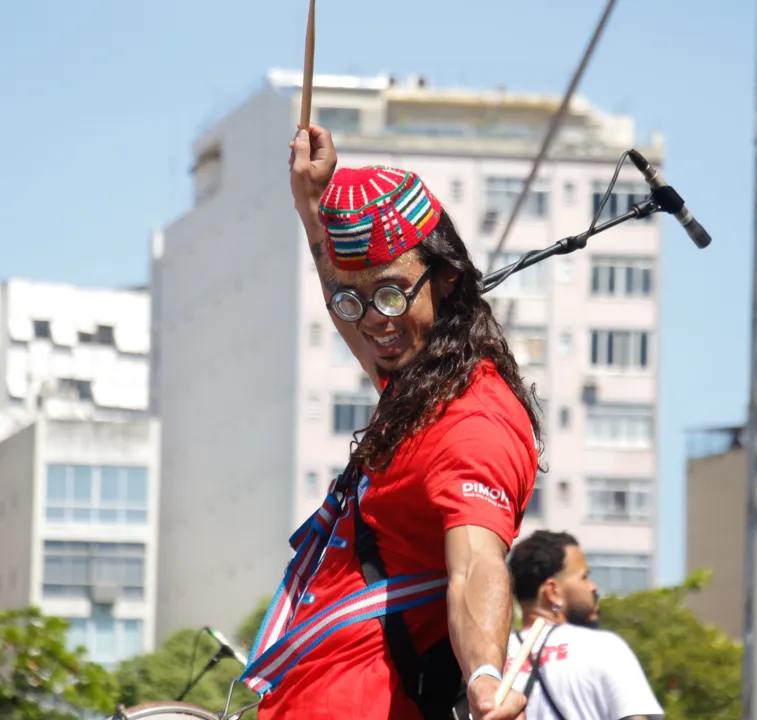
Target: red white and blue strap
{"x": 308, "y": 542}
{"x": 265, "y": 671}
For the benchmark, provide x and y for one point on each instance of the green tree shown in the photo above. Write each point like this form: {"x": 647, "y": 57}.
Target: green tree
{"x": 163, "y": 675}
{"x": 41, "y": 678}
{"x": 694, "y": 669}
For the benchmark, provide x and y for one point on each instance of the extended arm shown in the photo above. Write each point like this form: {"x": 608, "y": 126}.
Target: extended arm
{"x": 480, "y": 613}
{"x": 313, "y": 162}
{"x": 478, "y": 599}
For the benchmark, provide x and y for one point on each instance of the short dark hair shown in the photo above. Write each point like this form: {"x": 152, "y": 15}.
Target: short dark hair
{"x": 535, "y": 559}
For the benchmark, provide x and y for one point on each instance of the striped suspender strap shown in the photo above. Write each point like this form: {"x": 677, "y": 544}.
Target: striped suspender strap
{"x": 280, "y": 644}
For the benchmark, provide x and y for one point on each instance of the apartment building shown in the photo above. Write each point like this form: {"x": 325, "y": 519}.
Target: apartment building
{"x": 258, "y": 395}
{"x": 79, "y": 466}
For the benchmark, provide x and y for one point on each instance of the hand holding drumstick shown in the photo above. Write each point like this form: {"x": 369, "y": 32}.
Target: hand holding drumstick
{"x": 507, "y": 705}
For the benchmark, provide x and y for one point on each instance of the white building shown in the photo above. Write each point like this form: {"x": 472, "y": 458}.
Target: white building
{"x": 258, "y": 396}
{"x": 78, "y": 463}
{"x": 73, "y": 352}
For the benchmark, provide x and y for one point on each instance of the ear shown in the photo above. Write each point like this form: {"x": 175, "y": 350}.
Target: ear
{"x": 552, "y": 593}
{"x": 446, "y": 279}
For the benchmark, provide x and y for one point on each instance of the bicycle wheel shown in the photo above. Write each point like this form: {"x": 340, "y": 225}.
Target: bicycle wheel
{"x": 165, "y": 711}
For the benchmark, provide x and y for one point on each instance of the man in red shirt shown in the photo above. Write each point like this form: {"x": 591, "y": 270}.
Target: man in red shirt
{"x": 436, "y": 486}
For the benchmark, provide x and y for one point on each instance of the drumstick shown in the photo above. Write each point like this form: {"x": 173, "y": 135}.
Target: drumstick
{"x": 520, "y": 658}
{"x": 307, "y": 74}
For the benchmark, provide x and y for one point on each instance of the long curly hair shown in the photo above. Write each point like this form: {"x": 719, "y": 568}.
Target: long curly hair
{"x": 463, "y": 335}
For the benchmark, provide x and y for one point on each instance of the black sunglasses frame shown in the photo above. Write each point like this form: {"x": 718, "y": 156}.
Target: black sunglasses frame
{"x": 364, "y": 304}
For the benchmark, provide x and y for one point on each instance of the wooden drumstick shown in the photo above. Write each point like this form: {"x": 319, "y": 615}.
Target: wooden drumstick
{"x": 520, "y": 658}
{"x": 307, "y": 74}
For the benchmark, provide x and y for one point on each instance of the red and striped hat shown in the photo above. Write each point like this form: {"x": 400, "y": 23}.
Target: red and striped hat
{"x": 372, "y": 215}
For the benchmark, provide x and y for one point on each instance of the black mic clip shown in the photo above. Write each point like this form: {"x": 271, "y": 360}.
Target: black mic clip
{"x": 668, "y": 199}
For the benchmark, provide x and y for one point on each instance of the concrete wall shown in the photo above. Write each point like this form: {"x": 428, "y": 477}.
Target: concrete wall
{"x": 226, "y": 371}
{"x": 17, "y": 521}
{"x": 716, "y": 537}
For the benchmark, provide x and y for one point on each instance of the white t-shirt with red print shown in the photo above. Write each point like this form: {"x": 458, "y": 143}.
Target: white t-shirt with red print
{"x": 589, "y": 674}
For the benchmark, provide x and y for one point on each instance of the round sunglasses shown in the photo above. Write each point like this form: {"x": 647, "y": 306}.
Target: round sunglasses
{"x": 389, "y": 300}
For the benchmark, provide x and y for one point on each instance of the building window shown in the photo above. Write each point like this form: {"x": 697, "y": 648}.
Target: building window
{"x": 620, "y": 349}
{"x": 619, "y": 573}
{"x": 75, "y": 389}
{"x": 502, "y": 194}
{"x": 620, "y": 426}
{"x": 104, "y": 335}
{"x": 73, "y": 569}
{"x": 456, "y": 190}
{"x": 564, "y": 417}
{"x": 316, "y": 334}
{"x": 621, "y": 277}
{"x": 565, "y": 344}
{"x": 569, "y": 193}
{"x": 42, "y": 329}
{"x": 340, "y": 351}
{"x": 620, "y": 500}
{"x": 313, "y": 407}
{"x": 84, "y": 389}
{"x": 96, "y": 494}
{"x": 528, "y": 345}
{"x": 530, "y": 281}
{"x": 311, "y": 484}
{"x": 339, "y": 119}
{"x": 107, "y": 640}
{"x": 535, "y": 509}
{"x": 352, "y": 412}
{"x": 623, "y": 197}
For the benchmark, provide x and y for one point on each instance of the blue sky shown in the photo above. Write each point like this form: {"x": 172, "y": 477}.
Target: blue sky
{"x": 99, "y": 103}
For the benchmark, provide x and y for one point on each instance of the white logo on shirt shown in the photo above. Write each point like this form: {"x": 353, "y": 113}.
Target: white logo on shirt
{"x": 495, "y": 496}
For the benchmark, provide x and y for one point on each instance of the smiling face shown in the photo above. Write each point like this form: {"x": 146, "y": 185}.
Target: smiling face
{"x": 392, "y": 342}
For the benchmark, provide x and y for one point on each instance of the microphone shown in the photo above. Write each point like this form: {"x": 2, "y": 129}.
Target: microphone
{"x": 226, "y": 646}
{"x": 670, "y": 201}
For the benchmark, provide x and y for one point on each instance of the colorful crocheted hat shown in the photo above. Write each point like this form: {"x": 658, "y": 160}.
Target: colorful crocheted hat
{"x": 372, "y": 215}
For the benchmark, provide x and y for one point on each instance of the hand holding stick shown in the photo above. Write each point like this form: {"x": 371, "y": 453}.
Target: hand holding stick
{"x": 525, "y": 650}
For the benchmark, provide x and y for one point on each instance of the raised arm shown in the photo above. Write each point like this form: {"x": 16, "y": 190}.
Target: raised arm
{"x": 312, "y": 162}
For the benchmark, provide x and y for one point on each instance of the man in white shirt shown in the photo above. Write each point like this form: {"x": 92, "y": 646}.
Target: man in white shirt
{"x": 576, "y": 671}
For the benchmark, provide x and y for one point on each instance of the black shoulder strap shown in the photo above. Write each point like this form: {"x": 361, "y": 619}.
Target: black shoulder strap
{"x": 536, "y": 675}
{"x": 433, "y": 681}
{"x": 398, "y": 637}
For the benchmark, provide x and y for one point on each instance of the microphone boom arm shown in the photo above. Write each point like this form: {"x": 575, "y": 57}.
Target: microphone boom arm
{"x": 569, "y": 244}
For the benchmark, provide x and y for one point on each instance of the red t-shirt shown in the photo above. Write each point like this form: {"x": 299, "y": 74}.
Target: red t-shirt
{"x": 475, "y": 466}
